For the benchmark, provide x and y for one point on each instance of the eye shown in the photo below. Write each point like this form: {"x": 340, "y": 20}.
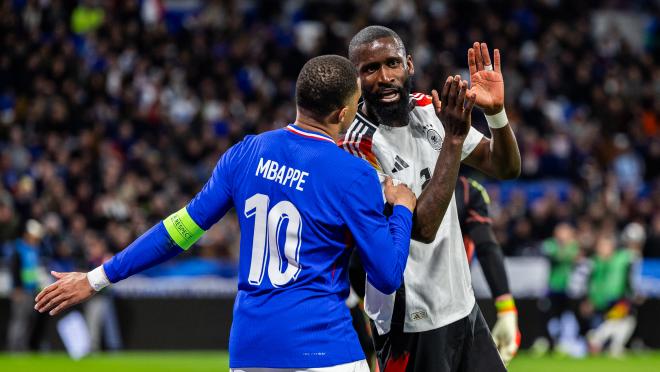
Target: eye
{"x": 394, "y": 63}
{"x": 370, "y": 69}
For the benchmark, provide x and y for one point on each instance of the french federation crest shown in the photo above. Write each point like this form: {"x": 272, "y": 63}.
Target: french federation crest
{"x": 433, "y": 137}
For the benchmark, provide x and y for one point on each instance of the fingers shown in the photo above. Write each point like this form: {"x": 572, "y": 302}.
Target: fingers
{"x": 471, "y": 99}
{"x": 41, "y": 303}
{"x": 472, "y": 63}
{"x": 497, "y": 64}
{"x": 453, "y": 91}
{"x": 388, "y": 182}
{"x": 484, "y": 54}
{"x": 444, "y": 96}
{"x": 46, "y": 291}
{"x": 62, "y": 306}
{"x": 57, "y": 275}
{"x": 436, "y": 101}
{"x": 478, "y": 58}
{"x": 54, "y": 302}
{"x": 461, "y": 93}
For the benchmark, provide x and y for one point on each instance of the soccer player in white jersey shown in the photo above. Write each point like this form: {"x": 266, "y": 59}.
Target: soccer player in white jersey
{"x": 432, "y": 323}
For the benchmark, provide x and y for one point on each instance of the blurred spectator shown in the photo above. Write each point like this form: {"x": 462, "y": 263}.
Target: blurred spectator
{"x": 563, "y": 251}
{"x": 26, "y": 326}
{"x": 100, "y": 312}
{"x": 652, "y": 247}
{"x": 610, "y": 297}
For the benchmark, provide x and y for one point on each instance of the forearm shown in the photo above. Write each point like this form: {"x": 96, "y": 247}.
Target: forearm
{"x": 153, "y": 247}
{"x": 434, "y": 199}
{"x": 386, "y": 255}
{"x": 504, "y": 153}
{"x": 492, "y": 263}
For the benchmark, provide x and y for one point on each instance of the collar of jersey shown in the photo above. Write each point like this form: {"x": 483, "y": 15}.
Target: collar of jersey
{"x": 308, "y": 134}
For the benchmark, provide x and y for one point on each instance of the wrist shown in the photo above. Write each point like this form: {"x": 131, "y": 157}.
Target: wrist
{"x": 505, "y": 304}
{"x": 497, "y": 119}
{"x": 97, "y": 279}
{"x": 493, "y": 111}
{"x": 453, "y": 142}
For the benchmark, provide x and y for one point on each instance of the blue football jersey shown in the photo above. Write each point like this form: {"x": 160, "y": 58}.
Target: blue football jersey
{"x": 302, "y": 204}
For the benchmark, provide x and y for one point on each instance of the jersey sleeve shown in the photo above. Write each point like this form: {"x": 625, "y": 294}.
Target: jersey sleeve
{"x": 180, "y": 230}
{"x": 382, "y": 244}
{"x": 215, "y": 198}
{"x": 471, "y": 141}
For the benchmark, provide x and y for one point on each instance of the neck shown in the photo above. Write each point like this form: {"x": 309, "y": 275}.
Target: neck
{"x": 307, "y": 123}
{"x": 371, "y": 115}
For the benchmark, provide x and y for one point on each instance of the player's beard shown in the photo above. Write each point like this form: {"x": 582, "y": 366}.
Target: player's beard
{"x": 393, "y": 113}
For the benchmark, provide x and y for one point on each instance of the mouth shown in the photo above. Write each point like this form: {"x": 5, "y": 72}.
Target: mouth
{"x": 389, "y": 95}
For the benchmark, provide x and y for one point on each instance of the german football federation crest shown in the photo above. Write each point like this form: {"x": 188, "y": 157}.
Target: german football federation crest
{"x": 434, "y": 138}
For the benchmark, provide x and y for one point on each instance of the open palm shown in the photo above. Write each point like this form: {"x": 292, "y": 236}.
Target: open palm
{"x": 486, "y": 79}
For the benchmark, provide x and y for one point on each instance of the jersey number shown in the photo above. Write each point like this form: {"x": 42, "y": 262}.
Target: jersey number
{"x": 266, "y": 245}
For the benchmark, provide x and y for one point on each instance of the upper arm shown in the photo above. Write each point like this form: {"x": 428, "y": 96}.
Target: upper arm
{"x": 479, "y": 158}
{"x": 188, "y": 224}
{"x": 215, "y": 198}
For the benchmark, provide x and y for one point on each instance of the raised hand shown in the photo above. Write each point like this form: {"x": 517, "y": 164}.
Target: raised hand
{"x": 69, "y": 289}
{"x": 454, "y": 107}
{"x": 486, "y": 78}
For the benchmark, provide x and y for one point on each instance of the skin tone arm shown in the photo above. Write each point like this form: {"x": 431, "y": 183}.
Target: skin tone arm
{"x": 498, "y": 157}
{"x": 455, "y": 117}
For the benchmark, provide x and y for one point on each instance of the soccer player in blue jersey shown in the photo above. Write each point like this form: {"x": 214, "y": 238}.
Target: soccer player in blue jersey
{"x": 298, "y": 196}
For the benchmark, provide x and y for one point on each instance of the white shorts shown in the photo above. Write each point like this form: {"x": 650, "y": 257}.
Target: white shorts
{"x": 359, "y": 366}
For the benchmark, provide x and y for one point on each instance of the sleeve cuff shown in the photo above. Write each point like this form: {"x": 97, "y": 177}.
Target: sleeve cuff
{"x": 97, "y": 278}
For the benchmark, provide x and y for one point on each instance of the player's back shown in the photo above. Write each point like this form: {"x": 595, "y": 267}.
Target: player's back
{"x": 288, "y": 190}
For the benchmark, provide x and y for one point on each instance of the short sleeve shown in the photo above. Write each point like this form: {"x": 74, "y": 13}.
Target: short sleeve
{"x": 471, "y": 141}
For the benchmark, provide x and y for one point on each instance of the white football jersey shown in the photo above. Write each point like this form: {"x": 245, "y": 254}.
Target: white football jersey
{"x": 438, "y": 289}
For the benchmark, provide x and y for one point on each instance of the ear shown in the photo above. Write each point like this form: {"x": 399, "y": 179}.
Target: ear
{"x": 341, "y": 114}
{"x": 410, "y": 66}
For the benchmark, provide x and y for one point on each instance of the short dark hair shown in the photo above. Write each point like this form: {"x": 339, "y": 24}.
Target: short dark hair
{"x": 325, "y": 84}
{"x": 370, "y": 34}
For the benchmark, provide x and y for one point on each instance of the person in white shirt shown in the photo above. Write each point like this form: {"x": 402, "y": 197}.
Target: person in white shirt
{"x": 432, "y": 323}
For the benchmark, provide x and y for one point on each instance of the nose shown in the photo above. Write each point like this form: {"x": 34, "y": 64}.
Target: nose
{"x": 385, "y": 75}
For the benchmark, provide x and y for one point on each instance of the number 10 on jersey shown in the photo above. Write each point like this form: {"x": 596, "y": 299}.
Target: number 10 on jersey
{"x": 266, "y": 245}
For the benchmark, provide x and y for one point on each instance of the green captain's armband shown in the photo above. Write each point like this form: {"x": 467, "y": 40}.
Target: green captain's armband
{"x": 183, "y": 229}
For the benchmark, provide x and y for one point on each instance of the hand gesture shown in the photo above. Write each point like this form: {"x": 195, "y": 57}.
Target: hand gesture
{"x": 506, "y": 335}
{"x": 486, "y": 78}
{"x": 399, "y": 194}
{"x": 453, "y": 108}
{"x": 69, "y": 289}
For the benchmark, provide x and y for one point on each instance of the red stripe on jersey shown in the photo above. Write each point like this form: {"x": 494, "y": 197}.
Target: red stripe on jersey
{"x": 422, "y": 99}
{"x": 365, "y": 147}
{"x": 308, "y": 135}
{"x": 358, "y": 142}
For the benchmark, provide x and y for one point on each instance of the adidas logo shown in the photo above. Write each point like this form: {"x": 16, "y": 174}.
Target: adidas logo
{"x": 399, "y": 164}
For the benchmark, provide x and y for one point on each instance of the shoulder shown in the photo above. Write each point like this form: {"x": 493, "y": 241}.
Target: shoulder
{"x": 358, "y": 140}
{"x": 351, "y": 163}
{"x": 421, "y": 107}
{"x": 421, "y": 99}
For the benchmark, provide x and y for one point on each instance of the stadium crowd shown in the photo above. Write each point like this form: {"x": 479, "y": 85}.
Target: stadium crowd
{"x": 112, "y": 116}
